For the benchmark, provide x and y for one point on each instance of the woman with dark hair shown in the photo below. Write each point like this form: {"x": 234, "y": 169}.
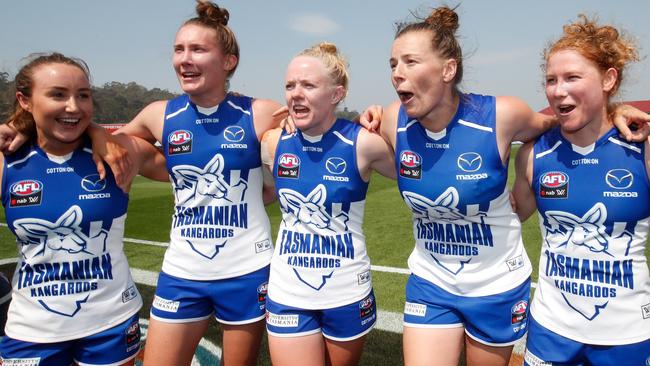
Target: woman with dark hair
{"x": 72, "y": 267}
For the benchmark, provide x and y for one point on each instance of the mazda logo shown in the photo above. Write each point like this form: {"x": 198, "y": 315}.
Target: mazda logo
{"x": 233, "y": 133}
{"x": 619, "y": 178}
{"x": 470, "y": 162}
{"x": 335, "y": 165}
{"x": 92, "y": 183}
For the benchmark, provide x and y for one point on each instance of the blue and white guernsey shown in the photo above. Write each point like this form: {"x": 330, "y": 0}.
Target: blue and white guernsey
{"x": 467, "y": 238}
{"x": 320, "y": 258}
{"x": 72, "y": 279}
{"x": 220, "y": 228}
{"x": 594, "y": 208}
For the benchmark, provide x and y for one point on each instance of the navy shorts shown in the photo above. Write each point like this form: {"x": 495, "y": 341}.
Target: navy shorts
{"x": 238, "y": 300}
{"x": 496, "y": 320}
{"x": 113, "y": 346}
{"x": 343, "y": 323}
{"x": 545, "y": 347}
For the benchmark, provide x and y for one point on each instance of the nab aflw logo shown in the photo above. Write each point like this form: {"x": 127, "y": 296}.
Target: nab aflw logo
{"x": 26, "y": 193}
{"x": 410, "y": 165}
{"x": 180, "y": 142}
{"x": 554, "y": 185}
{"x": 288, "y": 166}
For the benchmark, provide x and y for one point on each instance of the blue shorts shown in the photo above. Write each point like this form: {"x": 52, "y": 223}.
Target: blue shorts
{"x": 113, "y": 346}
{"x": 496, "y": 320}
{"x": 545, "y": 347}
{"x": 343, "y": 323}
{"x": 238, "y": 300}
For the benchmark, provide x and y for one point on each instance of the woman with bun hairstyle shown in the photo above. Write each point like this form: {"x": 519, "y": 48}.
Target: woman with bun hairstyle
{"x": 320, "y": 304}
{"x": 591, "y": 189}
{"x": 73, "y": 297}
{"x": 470, "y": 282}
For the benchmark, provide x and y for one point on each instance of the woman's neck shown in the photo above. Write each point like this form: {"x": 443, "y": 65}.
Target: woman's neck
{"x": 440, "y": 117}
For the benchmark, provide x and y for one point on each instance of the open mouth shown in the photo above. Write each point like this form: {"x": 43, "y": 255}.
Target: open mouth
{"x": 190, "y": 75}
{"x": 68, "y": 121}
{"x": 300, "y": 110}
{"x": 404, "y": 97}
{"x": 564, "y": 109}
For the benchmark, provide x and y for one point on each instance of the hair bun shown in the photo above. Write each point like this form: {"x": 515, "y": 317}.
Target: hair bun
{"x": 443, "y": 18}
{"x": 328, "y": 47}
{"x": 211, "y": 13}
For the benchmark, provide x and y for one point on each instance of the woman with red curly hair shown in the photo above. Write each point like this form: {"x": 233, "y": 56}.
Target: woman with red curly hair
{"x": 591, "y": 189}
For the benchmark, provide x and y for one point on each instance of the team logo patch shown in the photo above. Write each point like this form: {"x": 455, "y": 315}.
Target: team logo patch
{"x": 26, "y": 193}
{"x": 619, "y": 178}
{"x": 132, "y": 336}
{"x": 519, "y": 313}
{"x": 410, "y": 165}
{"x": 129, "y": 294}
{"x": 288, "y": 166}
{"x": 93, "y": 183}
{"x": 233, "y": 133}
{"x": 180, "y": 142}
{"x": 469, "y": 162}
{"x": 554, "y": 185}
{"x": 263, "y": 246}
{"x": 515, "y": 263}
{"x": 366, "y": 307}
{"x": 261, "y": 294}
{"x": 364, "y": 277}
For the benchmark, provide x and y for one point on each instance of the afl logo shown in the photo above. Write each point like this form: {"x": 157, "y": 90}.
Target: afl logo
{"x": 554, "y": 179}
{"x": 92, "y": 183}
{"x": 288, "y": 166}
{"x": 469, "y": 162}
{"x": 25, "y": 193}
{"x": 519, "y": 312}
{"x": 335, "y": 165}
{"x": 180, "y": 137}
{"x": 619, "y": 178}
{"x": 233, "y": 133}
{"x": 410, "y": 159}
{"x": 26, "y": 188}
{"x": 366, "y": 306}
{"x": 261, "y": 292}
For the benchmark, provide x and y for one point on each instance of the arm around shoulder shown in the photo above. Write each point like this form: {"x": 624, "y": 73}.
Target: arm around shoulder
{"x": 516, "y": 121}
{"x": 268, "y": 145}
{"x": 263, "y": 118}
{"x": 522, "y": 190}
{"x": 374, "y": 153}
{"x": 388, "y": 127}
{"x": 148, "y": 124}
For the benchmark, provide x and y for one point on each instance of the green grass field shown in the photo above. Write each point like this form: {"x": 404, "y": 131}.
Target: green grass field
{"x": 388, "y": 232}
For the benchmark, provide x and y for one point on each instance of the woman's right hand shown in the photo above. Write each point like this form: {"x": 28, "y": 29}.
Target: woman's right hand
{"x": 107, "y": 149}
{"x": 371, "y": 117}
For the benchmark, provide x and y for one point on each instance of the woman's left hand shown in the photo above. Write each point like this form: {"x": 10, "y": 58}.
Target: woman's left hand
{"x": 627, "y": 118}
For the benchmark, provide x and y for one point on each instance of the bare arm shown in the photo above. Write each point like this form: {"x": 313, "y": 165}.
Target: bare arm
{"x": 268, "y": 146}
{"x": 148, "y": 160}
{"x": 522, "y": 190}
{"x": 388, "y": 127}
{"x": 374, "y": 153}
{"x": 148, "y": 124}
{"x": 263, "y": 116}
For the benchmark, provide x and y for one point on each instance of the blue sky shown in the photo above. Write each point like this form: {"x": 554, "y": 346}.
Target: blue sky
{"x": 131, "y": 40}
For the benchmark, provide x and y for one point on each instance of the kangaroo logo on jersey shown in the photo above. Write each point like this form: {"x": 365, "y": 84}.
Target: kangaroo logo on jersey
{"x": 180, "y": 142}
{"x": 310, "y": 210}
{"x": 207, "y": 182}
{"x": 451, "y": 241}
{"x": 554, "y": 185}
{"x": 335, "y": 165}
{"x": 93, "y": 183}
{"x": 62, "y": 287}
{"x": 288, "y": 166}
{"x": 587, "y": 285}
{"x": 469, "y": 162}
{"x": 26, "y": 193}
{"x": 233, "y": 133}
{"x": 410, "y": 165}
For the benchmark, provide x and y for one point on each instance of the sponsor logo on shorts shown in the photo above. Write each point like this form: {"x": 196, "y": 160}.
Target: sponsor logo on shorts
{"x": 263, "y": 246}
{"x": 364, "y": 277}
{"x": 261, "y": 294}
{"x": 410, "y": 165}
{"x": 21, "y": 361}
{"x": 519, "y": 313}
{"x": 554, "y": 185}
{"x": 411, "y": 308}
{"x": 366, "y": 308}
{"x": 180, "y": 142}
{"x": 288, "y": 166}
{"x": 645, "y": 310}
{"x": 129, "y": 294}
{"x": 533, "y": 360}
{"x": 165, "y": 305}
{"x": 282, "y": 321}
{"x": 26, "y": 193}
{"x": 132, "y": 336}
{"x": 515, "y": 263}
